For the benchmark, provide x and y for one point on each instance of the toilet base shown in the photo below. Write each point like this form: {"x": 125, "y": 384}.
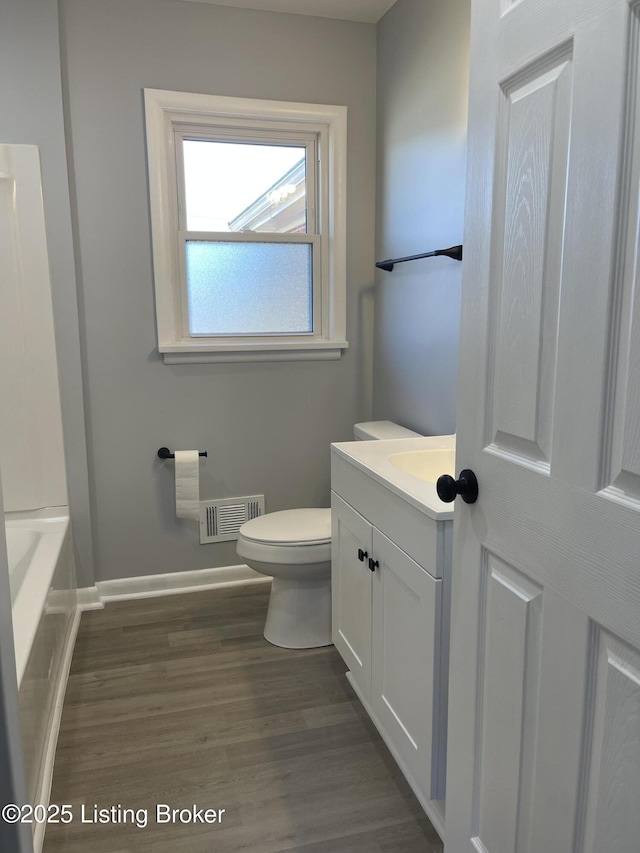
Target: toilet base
{"x": 299, "y": 614}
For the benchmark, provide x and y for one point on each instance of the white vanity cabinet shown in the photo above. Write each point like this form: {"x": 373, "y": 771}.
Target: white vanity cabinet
{"x": 390, "y": 605}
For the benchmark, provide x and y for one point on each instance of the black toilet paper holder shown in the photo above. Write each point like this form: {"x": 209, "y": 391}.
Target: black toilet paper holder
{"x": 165, "y": 453}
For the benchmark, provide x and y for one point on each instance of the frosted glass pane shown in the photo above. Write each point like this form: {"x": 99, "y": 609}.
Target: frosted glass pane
{"x": 249, "y": 288}
{"x": 234, "y": 186}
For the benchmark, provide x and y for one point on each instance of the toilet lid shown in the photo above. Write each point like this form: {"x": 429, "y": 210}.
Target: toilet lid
{"x": 290, "y": 527}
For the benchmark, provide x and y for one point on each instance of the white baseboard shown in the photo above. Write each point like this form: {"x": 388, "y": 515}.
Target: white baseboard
{"x": 173, "y": 583}
{"x": 89, "y": 598}
{"x": 43, "y": 791}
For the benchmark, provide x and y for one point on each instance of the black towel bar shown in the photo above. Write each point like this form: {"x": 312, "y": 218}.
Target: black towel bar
{"x": 453, "y": 252}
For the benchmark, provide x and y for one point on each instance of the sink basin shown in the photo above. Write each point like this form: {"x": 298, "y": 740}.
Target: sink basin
{"x": 425, "y": 464}
{"x": 406, "y": 467}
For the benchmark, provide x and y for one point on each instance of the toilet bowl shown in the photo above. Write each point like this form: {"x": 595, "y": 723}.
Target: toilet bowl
{"x": 294, "y": 548}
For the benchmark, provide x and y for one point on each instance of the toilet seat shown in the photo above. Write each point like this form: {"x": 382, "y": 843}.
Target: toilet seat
{"x": 290, "y": 527}
{"x": 286, "y": 555}
{"x": 301, "y": 536}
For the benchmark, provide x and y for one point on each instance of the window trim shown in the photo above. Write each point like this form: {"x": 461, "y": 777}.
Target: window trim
{"x": 168, "y": 111}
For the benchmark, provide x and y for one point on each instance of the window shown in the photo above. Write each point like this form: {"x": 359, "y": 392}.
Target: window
{"x": 248, "y": 226}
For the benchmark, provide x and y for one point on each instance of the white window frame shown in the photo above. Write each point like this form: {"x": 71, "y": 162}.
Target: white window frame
{"x": 171, "y": 116}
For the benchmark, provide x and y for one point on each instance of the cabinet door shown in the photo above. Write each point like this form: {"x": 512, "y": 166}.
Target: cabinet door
{"x": 351, "y": 590}
{"x": 406, "y": 652}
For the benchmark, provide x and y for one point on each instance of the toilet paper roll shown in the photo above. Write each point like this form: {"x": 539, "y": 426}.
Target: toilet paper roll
{"x": 187, "y": 465}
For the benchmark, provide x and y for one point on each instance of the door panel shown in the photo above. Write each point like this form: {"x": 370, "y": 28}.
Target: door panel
{"x": 544, "y": 720}
{"x": 535, "y": 128}
{"x": 351, "y": 590}
{"x": 406, "y": 648}
{"x": 622, "y": 461}
{"x": 612, "y": 808}
{"x": 593, "y": 230}
{"x": 509, "y": 673}
{"x": 566, "y": 655}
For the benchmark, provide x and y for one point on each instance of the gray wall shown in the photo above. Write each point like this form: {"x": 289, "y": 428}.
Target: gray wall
{"x": 267, "y": 427}
{"x": 421, "y": 129}
{"x": 31, "y": 112}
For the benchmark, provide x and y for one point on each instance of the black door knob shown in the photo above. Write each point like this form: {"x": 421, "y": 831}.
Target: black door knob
{"x": 373, "y": 564}
{"x": 362, "y": 555}
{"x": 466, "y": 486}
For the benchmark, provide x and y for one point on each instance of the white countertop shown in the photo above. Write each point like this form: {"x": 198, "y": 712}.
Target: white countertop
{"x": 372, "y": 457}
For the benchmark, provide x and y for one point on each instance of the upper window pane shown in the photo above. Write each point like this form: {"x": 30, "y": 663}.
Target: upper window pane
{"x": 232, "y": 186}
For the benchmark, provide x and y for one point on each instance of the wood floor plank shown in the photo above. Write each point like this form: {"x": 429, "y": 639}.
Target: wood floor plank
{"x": 180, "y": 700}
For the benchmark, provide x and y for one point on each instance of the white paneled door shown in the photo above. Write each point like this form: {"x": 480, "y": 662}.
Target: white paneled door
{"x": 544, "y": 703}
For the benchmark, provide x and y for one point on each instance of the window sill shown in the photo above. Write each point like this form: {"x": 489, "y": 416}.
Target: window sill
{"x": 271, "y": 351}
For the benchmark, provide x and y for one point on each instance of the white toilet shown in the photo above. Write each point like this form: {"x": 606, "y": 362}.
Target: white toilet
{"x": 294, "y": 547}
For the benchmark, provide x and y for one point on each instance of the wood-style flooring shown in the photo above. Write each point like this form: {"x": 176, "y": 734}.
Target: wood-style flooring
{"x": 181, "y": 700}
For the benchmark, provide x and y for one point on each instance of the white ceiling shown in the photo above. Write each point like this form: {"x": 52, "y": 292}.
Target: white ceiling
{"x": 369, "y": 11}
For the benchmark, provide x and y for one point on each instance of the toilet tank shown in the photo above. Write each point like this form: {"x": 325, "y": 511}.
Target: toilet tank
{"x": 372, "y": 430}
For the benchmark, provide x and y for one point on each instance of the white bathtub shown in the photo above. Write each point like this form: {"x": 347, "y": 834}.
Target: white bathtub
{"x": 35, "y": 546}
{"x": 45, "y": 620}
